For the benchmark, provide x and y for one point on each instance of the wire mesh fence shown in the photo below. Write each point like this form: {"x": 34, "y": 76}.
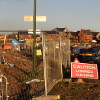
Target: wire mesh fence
{"x": 3, "y": 87}
{"x": 18, "y": 70}
{"x": 21, "y": 88}
{"x": 56, "y": 53}
{"x": 65, "y": 52}
{"x": 22, "y": 84}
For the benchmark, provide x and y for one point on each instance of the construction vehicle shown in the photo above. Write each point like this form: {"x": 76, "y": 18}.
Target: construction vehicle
{"x": 5, "y": 46}
{"x": 3, "y": 37}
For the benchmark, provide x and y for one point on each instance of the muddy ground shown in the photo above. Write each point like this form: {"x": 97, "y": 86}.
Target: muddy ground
{"x": 89, "y": 90}
{"x": 16, "y": 69}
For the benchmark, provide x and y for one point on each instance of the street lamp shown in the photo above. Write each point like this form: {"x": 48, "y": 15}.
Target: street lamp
{"x": 34, "y": 40}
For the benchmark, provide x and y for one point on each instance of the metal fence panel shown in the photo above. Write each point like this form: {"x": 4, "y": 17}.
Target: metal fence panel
{"x": 65, "y": 52}
{"x": 53, "y": 66}
{"x": 56, "y": 53}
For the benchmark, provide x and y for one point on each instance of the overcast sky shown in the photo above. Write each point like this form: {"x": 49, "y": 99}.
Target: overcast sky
{"x": 73, "y": 14}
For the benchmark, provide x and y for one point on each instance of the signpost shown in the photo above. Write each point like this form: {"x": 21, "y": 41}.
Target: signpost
{"x": 38, "y": 18}
{"x": 34, "y": 40}
{"x": 83, "y": 70}
{"x": 76, "y": 60}
{"x": 34, "y": 19}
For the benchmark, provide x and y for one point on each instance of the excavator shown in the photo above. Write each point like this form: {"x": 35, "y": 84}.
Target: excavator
{"x": 3, "y": 37}
{"x": 5, "y": 46}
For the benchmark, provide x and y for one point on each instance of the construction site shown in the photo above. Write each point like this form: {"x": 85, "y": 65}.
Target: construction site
{"x": 49, "y": 79}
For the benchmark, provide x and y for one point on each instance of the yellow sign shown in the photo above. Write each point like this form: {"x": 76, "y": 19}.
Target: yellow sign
{"x": 38, "y": 52}
{"x": 38, "y": 18}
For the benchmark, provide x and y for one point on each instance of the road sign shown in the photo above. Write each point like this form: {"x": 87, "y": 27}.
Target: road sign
{"x": 14, "y": 42}
{"x": 38, "y": 52}
{"x": 38, "y": 18}
{"x": 83, "y": 70}
{"x": 76, "y": 60}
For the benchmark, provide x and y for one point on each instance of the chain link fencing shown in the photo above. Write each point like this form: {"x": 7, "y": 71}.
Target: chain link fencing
{"x": 65, "y": 52}
{"x": 56, "y": 54}
{"x": 22, "y": 85}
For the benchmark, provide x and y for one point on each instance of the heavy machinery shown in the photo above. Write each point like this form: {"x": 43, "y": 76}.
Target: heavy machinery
{"x": 3, "y": 37}
{"x": 5, "y": 46}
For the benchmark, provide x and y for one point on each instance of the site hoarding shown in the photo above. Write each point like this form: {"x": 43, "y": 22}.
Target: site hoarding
{"x": 84, "y": 70}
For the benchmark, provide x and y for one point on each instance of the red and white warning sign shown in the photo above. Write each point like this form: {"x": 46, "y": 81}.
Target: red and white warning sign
{"x": 83, "y": 70}
{"x": 76, "y": 60}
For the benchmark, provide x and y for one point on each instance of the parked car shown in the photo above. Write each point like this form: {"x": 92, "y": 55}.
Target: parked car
{"x": 85, "y": 54}
{"x": 75, "y": 52}
{"x": 97, "y": 58}
{"x": 97, "y": 61}
{"x": 96, "y": 49}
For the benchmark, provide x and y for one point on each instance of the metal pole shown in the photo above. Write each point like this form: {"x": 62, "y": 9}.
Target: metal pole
{"x": 34, "y": 40}
{"x": 6, "y": 87}
{"x": 44, "y": 62}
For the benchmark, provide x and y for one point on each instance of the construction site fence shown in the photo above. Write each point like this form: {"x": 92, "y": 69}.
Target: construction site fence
{"x": 55, "y": 55}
